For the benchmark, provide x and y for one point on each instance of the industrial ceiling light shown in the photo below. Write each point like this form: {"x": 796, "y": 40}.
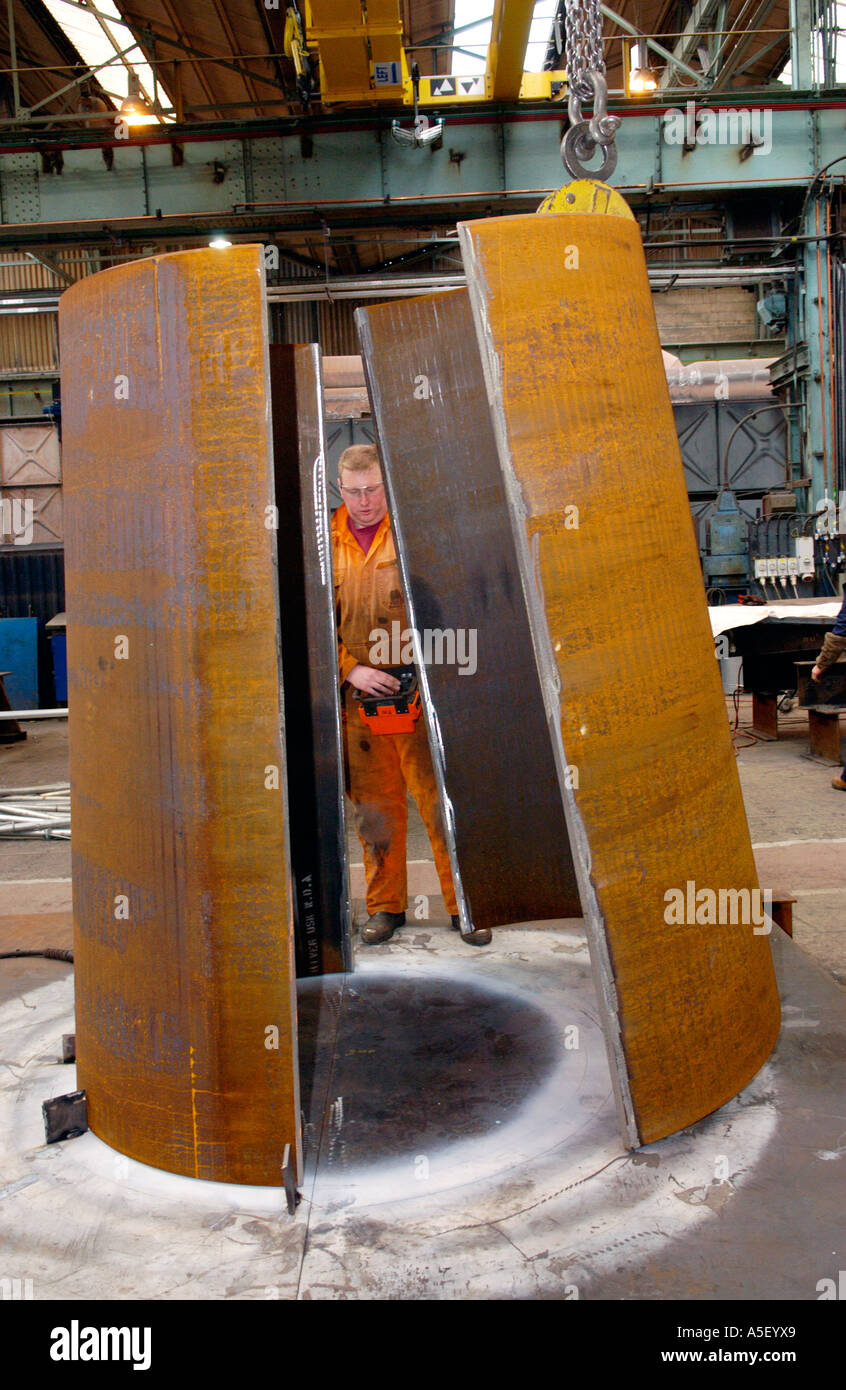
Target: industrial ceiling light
{"x": 136, "y": 110}
{"x": 219, "y": 242}
{"x": 642, "y": 79}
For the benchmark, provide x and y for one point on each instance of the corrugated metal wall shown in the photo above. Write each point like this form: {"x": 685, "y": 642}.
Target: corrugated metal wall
{"x": 338, "y": 337}
{"x": 716, "y": 315}
{"x": 294, "y": 323}
{"x": 19, "y": 271}
{"x": 32, "y": 583}
{"x": 318, "y": 321}
{"x": 28, "y": 343}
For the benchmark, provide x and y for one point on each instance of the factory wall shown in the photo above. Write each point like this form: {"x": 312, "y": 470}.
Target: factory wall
{"x": 697, "y": 316}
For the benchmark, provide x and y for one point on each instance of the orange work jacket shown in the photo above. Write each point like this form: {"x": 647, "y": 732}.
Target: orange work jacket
{"x": 368, "y": 593}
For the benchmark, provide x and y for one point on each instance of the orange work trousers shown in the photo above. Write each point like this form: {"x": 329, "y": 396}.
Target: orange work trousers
{"x": 381, "y": 769}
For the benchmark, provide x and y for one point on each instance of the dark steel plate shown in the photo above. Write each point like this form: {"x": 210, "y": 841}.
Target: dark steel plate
{"x": 313, "y": 753}
{"x": 489, "y": 733}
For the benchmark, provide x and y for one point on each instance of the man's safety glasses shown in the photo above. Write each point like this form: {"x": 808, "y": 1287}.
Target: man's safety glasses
{"x": 361, "y": 491}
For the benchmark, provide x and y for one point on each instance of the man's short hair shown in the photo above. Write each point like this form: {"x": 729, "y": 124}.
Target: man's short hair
{"x": 358, "y": 458}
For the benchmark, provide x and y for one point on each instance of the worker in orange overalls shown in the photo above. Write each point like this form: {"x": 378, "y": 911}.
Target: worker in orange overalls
{"x": 381, "y": 768}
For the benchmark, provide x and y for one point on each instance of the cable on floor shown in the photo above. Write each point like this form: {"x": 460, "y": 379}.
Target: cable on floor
{"x": 51, "y": 953}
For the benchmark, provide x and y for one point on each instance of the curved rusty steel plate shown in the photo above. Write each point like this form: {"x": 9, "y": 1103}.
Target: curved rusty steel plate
{"x": 183, "y": 936}
{"x": 596, "y": 493}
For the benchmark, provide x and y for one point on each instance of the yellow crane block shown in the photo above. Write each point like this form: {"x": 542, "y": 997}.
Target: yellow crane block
{"x": 360, "y": 50}
{"x": 586, "y": 195}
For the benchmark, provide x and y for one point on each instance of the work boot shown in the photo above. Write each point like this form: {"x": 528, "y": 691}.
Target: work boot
{"x": 480, "y": 936}
{"x": 838, "y": 783}
{"x": 381, "y": 927}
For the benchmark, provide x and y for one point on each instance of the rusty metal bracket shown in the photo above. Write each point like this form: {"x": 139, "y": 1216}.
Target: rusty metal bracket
{"x": 289, "y": 1181}
{"x": 65, "y": 1117}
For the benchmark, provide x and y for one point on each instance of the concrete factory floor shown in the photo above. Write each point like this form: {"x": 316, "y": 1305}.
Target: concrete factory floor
{"x": 455, "y": 1146}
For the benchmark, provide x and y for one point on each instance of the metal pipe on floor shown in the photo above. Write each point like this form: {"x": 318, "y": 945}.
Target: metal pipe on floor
{"x": 35, "y": 791}
{"x": 34, "y": 714}
{"x": 46, "y": 833}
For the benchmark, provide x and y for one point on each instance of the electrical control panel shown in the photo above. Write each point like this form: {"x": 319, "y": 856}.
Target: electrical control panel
{"x": 787, "y": 562}
{"x": 804, "y": 546}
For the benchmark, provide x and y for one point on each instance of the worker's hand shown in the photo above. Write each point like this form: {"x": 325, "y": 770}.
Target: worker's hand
{"x": 816, "y": 673}
{"x": 373, "y": 682}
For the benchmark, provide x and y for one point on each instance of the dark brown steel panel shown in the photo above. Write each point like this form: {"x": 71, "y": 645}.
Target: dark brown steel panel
{"x": 183, "y": 928}
{"x": 492, "y": 750}
{"x": 573, "y": 366}
{"x": 313, "y": 753}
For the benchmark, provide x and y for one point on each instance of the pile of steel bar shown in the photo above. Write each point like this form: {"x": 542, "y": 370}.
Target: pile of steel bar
{"x": 35, "y": 813}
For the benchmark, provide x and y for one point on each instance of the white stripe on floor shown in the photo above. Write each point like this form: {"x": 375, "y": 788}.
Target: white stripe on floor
{"x": 814, "y": 892}
{"x": 785, "y": 844}
{"x": 4, "y": 881}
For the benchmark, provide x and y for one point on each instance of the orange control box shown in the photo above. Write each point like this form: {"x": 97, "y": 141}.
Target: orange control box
{"x": 392, "y": 716}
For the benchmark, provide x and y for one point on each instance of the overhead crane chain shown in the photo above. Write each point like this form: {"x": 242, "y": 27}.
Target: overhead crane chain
{"x": 583, "y": 45}
{"x": 586, "y": 82}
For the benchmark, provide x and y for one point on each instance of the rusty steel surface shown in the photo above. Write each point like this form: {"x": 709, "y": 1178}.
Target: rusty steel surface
{"x": 492, "y": 755}
{"x": 626, "y": 657}
{"x": 183, "y": 924}
{"x": 313, "y": 751}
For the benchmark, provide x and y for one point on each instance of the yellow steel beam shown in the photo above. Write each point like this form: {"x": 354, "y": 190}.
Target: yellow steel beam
{"x": 452, "y": 91}
{"x": 362, "y": 60}
{"x": 543, "y": 86}
{"x": 512, "y": 20}
{"x": 449, "y": 91}
{"x": 360, "y": 51}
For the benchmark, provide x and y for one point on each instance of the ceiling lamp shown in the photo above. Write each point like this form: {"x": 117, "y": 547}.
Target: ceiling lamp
{"x": 136, "y": 110}
{"x": 642, "y": 78}
{"x": 219, "y": 241}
